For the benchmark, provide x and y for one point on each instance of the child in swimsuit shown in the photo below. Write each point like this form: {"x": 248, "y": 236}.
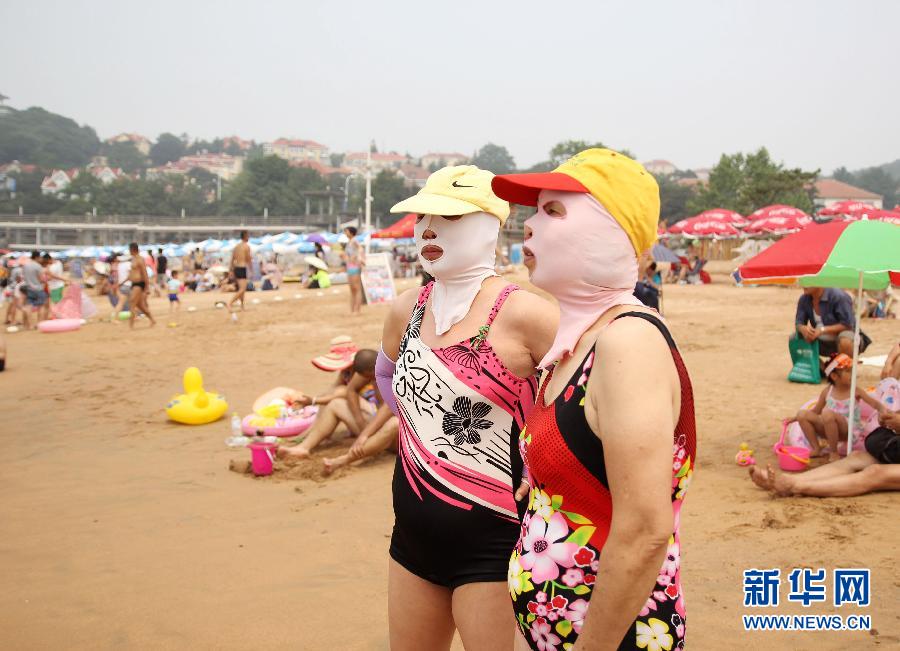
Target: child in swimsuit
{"x": 174, "y": 286}
{"x": 828, "y": 417}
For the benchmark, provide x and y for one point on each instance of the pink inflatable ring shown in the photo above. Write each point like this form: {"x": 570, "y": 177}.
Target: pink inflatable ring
{"x": 284, "y": 427}
{"x": 59, "y": 325}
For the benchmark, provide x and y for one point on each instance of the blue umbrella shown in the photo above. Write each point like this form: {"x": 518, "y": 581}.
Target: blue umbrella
{"x": 662, "y": 253}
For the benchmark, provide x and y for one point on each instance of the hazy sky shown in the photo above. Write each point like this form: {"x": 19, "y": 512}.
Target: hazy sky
{"x": 816, "y": 82}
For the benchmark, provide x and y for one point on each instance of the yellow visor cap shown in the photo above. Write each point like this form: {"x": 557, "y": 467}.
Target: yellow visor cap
{"x": 623, "y": 187}
{"x": 456, "y": 190}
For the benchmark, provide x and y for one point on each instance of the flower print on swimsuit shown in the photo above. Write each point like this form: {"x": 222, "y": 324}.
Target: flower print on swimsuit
{"x": 545, "y": 550}
{"x": 653, "y": 635}
{"x": 517, "y": 578}
{"x": 576, "y": 614}
{"x": 543, "y": 635}
{"x": 465, "y": 421}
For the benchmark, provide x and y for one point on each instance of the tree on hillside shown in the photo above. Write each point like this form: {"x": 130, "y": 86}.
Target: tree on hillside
{"x": 29, "y": 196}
{"x": 563, "y": 151}
{"x": 45, "y": 139}
{"x": 168, "y": 148}
{"x": 494, "y": 158}
{"x": 746, "y": 182}
{"x": 673, "y": 199}
{"x": 124, "y": 155}
{"x": 269, "y": 182}
{"x": 336, "y": 159}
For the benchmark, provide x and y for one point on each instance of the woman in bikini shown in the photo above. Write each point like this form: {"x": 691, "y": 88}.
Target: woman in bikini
{"x": 458, "y": 362}
{"x": 610, "y": 444}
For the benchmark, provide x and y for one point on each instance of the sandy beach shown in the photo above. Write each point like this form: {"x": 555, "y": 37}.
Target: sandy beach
{"x": 123, "y": 530}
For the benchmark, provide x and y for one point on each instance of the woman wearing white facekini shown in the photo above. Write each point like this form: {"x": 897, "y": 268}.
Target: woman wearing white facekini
{"x": 465, "y": 346}
{"x": 611, "y": 442}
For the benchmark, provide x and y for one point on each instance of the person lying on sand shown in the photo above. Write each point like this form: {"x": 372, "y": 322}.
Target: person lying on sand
{"x": 828, "y": 417}
{"x": 355, "y": 411}
{"x": 379, "y": 435}
{"x": 875, "y": 469}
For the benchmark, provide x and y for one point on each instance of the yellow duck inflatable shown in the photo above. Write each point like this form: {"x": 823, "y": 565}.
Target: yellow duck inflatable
{"x": 196, "y": 406}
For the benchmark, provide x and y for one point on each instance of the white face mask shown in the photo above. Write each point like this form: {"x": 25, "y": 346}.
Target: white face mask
{"x": 469, "y": 247}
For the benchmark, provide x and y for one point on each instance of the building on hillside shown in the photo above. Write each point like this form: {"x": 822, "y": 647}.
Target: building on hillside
{"x": 702, "y": 173}
{"x": 321, "y": 168}
{"x": 660, "y": 167}
{"x": 414, "y": 175}
{"x": 829, "y": 191}
{"x": 296, "y": 149}
{"x": 106, "y": 174}
{"x": 58, "y": 180}
{"x": 438, "y": 159}
{"x": 140, "y": 143}
{"x": 239, "y": 143}
{"x": 225, "y": 166}
{"x": 357, "y": 160}
{"x": 15, "y": 167}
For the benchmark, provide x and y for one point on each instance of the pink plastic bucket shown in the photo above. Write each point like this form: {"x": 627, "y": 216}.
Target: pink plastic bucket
{"x": 262, "y": 457}
{"x": 790, "y": 458}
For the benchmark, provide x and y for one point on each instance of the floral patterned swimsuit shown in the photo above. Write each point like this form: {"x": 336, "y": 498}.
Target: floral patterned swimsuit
{"x": 460, "y": 412}
{"x": 554, "y": 565}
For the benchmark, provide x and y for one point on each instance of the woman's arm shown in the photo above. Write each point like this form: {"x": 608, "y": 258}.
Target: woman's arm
{"x": 396, "y": 322}
{"x": 869, "y": 399}
{"x": 632, "y": 393}
{"x": 382, "y": 416}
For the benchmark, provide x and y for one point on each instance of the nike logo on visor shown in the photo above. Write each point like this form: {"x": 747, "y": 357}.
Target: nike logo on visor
{"x": 457, "y": 185}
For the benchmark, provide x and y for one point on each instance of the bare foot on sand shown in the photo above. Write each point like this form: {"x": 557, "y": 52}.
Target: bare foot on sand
{"x": 762, "y": 478}
{"x": 782, "y": 483}
{"x": 293, "y": 452}
{"x": 330, "y": 465}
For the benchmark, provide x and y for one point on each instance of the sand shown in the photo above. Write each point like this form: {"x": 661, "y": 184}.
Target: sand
{"x": 122, "y": 530}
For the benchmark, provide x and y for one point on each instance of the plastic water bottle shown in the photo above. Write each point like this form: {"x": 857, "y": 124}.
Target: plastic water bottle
{"x": 237, "y": 438}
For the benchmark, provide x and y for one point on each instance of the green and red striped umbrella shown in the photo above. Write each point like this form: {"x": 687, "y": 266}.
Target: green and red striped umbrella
{"x": 838, "y": 254}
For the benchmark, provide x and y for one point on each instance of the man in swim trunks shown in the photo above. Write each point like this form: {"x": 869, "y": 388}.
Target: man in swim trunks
{"x": 240, "y": 262}
{"x": 140, "y": 281}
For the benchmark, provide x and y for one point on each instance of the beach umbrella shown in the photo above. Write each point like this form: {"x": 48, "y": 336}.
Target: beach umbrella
{"x": 662, "y": 253}
{"x": 851, "y": 255}
{"x": 316, "y": 238}
{"x": 305, "y": 247}
{"x": 777, "y": 220}
{"x": 315, "y": 262}
{"x": 403, "y": 227}
{"x": 846, "y": 208}
{"x": 874, "y": 214}
{"x": 723, "y": 215}
{"x": 699, "y": 226}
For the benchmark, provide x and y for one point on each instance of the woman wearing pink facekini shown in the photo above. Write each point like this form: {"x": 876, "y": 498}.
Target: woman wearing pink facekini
{"x": 466, "y": 347}
{"x": 610, "y": 444}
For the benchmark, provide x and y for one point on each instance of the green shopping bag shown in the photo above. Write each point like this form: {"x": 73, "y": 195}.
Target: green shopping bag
{"x": 805, "y": 357}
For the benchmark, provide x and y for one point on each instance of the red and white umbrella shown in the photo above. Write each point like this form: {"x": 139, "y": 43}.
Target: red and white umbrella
{"x": 702, "y": 227}
{"x": 846, "y": 208}
{"x": 723, "y": 215}
{"x": 874, "y": 214}
{"x": 777, "y": 220}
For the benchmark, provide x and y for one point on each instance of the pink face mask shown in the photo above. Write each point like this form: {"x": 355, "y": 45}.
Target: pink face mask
{"x": 585, "y": 260}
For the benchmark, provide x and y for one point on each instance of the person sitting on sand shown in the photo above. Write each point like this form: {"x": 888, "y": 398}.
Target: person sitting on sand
{"x": 877, "y": 468}
{"x": 828, "y": 417}
{"x": 339, "y": 359}
{"x": 379, "y": 435}
{"x": 355, "y": 411}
